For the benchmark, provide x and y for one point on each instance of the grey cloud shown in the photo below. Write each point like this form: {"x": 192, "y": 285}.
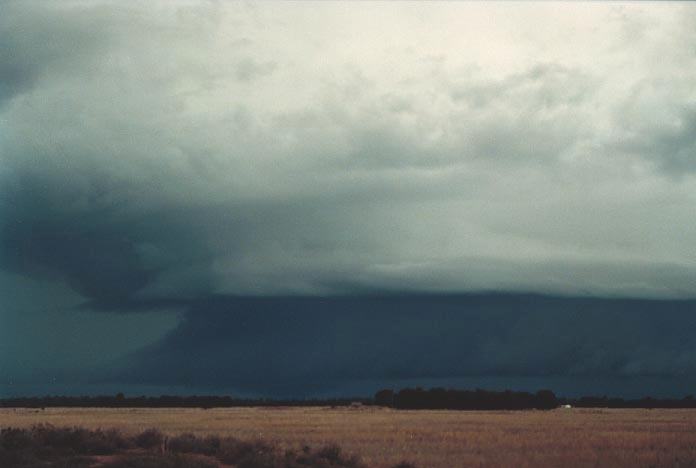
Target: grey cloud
{"x": 34, "y": 40}
{"x": 153, "y": 170}
{"x": 297, "y": 182}
{"x": 550, "y": 85}
{"x": 44, "y": 339}
{"x": 249, "y": 69}
{"x": 671, "y": 145}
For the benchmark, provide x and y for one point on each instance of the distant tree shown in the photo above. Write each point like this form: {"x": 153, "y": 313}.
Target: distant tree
{"x": 545, "y": 399}
{"x": 384, "y": 397}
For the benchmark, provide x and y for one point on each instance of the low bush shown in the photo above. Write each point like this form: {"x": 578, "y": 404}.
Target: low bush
{"x": 56, "y": 447}
{"x": 159, "y": 461}
{"x": 189, "y": 443}
{"x": 237, "y": 452}
{"x": 149, "y": 439}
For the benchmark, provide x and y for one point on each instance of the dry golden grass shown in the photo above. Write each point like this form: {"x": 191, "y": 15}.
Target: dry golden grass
{"x": 436, "y": 439}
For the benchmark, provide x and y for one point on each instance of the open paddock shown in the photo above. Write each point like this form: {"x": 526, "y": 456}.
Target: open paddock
{"x": 436, "y": 439}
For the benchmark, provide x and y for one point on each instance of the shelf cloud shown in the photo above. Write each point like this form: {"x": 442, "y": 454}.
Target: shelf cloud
{"x": 154, "y": 157}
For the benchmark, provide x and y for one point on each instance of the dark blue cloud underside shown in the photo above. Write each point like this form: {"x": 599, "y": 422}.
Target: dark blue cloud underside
{"x": 300, "y": 346}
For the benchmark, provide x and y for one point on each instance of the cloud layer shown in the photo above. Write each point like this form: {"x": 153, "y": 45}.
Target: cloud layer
{"x": 314, "y": 149}
{"x": 159, "y": 156}
{"x": 295, "y": 346}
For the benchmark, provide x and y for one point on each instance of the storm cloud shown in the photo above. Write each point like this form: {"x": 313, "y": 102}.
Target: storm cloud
{"x": 289, "y": 345}
{"x": 157, "y": 157}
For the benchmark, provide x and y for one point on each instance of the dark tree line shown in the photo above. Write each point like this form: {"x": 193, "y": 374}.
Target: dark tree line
{"x": 164, "y": 401}
{"x": 408, "y": 398}
{"x": 440, "y": 398}
{"x": 647, "y": 402}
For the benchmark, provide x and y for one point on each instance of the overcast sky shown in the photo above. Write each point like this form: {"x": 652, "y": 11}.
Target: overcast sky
{"x": 157, "y": 157}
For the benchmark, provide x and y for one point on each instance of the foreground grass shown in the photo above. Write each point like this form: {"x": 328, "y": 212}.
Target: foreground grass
{"x": 49, "y": 446}
{"x": 435, "y": 439}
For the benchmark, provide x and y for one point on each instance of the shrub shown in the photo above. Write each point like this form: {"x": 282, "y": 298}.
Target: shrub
{"x": 330, "y": 452}
{"x": 62, "y": 446}
{"x": 236, "y": 452}
{"x": 12, "y": 439}
{"x": 69, "y": 462}
{"x": 149, "y": 438}
{"x": 48, "y": 446}
{"x": 159, "y": 461}
{"x": 77, "y": 440}
{"x": 330, "y": 456}
{"x": 189, "y": 443}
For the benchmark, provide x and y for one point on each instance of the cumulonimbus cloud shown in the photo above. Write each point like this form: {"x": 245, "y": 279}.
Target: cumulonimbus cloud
{"x": 346, "y": 159}
{"x": 184, "y": 150}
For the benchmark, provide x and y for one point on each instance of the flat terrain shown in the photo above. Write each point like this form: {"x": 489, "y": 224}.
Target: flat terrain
{"x": 437, "y": 439}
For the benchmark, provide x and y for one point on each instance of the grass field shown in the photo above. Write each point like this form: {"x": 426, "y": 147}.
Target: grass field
{"x": 437, "y": 439}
